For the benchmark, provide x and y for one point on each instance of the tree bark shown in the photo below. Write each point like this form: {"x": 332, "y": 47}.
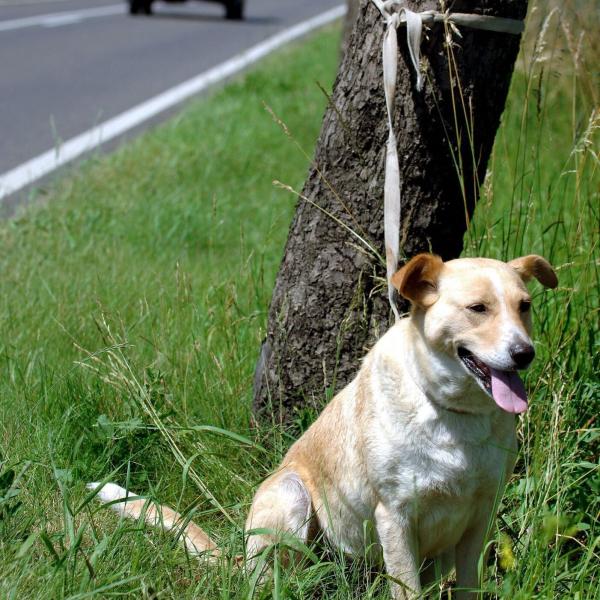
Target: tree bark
{"x": 349, "y": 20}
{"x": 329, "y": 303}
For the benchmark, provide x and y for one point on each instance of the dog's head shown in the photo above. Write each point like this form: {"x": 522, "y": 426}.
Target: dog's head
{"x": 476, "y": 312}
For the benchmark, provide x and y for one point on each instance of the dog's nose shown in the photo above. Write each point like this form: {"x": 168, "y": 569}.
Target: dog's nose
{"x": 522, "y": 354}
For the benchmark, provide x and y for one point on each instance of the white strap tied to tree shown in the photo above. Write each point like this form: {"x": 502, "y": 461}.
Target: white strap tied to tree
{"x": 395, "y": 13}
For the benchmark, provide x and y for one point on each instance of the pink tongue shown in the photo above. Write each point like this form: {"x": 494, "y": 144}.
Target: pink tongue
{"x": 508, "y": 391}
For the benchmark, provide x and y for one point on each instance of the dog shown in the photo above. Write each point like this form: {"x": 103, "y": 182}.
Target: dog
{"x": 420, "y": 443}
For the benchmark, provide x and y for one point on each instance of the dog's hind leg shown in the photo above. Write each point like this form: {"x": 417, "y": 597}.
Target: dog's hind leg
{"x": 282, "y": 506}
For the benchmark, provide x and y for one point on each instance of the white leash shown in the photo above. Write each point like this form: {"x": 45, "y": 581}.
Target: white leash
{"x": 396, "y": 13}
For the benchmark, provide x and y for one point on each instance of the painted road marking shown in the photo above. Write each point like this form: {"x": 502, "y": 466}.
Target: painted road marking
{"x": 63, "y": 18}
{"x": 21, "y": 176}
{"x": 29, "y": 2}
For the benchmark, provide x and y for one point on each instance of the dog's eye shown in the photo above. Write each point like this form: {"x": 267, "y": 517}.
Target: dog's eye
{"x": 478, "y": 308}
{"x": 524, "y": 306}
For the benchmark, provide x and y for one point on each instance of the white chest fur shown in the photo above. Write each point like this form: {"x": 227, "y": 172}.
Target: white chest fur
{"x": 437, "y": 469}
{"x": 435, "y": 466}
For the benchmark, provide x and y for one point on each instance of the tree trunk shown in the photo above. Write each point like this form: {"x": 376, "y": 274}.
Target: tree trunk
{"x": 330, "y": 301}
{"x": 349, "y": 20}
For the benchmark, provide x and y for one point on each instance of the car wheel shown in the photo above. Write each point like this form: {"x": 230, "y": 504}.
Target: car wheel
{"x": 140, "y": 6}
{"x": 234, "y": 9}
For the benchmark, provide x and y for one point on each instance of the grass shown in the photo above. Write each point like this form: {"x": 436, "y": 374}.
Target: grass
{"x": 133, "y": 306}
{"x": 543, "y": 196}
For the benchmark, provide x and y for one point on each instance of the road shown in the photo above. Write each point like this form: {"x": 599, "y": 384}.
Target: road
{"x": 68, "y": 65}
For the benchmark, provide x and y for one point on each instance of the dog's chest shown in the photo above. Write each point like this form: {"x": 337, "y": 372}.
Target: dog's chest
{"x": 444, "y": 469}
{"x": 441, "y": 454}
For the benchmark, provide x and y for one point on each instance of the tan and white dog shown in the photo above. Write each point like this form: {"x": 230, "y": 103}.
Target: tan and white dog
{"x": 420, "y": 443}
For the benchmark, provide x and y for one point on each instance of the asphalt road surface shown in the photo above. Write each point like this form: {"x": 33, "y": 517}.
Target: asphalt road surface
{"x": 68, "y": 65}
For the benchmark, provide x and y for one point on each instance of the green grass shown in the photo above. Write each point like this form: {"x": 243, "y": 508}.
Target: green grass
{"x": 133, "y": 304}
{"x": 543, "y": 196}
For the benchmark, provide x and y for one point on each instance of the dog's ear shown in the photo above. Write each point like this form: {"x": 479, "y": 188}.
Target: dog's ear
{"x": 533, "y": 265}
{"x": 417, "y": 279}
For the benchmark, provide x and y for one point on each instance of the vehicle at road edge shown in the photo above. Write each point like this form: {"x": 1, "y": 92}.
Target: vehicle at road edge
{"x": 234, "y": 9}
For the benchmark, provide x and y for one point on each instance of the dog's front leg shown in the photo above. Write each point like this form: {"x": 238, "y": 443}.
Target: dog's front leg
{"x": 398, "y": 539}
{"x": 468, "y": 552}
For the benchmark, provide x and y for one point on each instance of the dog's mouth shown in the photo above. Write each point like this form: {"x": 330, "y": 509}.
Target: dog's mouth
{"x": 505, "y": 387}
{"x": 478, "y": 369}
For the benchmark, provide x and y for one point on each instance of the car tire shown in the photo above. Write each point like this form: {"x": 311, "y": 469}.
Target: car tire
{"x": 234, "y": 10}
{"x": 137, "y": 7}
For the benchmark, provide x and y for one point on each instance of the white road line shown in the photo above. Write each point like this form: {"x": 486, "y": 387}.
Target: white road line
{"x": 21, "y": 176}
{"x": 65, "y": 17}
{"x": 28, "y": 2}
{"x": 62, "y": 20}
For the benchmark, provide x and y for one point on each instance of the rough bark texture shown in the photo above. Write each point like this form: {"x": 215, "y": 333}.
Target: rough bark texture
{"x": 349, "y": 20}
{"x": 329, "y": 303}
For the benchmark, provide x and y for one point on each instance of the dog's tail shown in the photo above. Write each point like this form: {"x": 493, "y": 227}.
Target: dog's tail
{"x": 126, "y": 503}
